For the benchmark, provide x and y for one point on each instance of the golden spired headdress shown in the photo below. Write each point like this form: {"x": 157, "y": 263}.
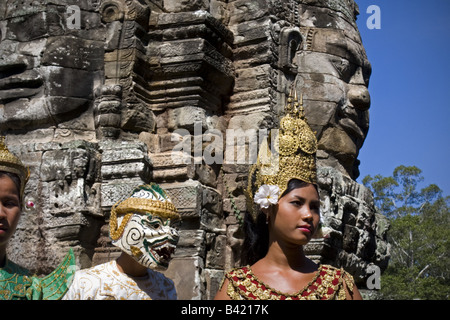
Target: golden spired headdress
{"x": 12, "y": 164}
{"x": 293, "y": 157}
{"x": 150, "y": 198}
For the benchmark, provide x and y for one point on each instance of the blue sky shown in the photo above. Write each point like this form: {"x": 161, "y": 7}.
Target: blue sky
{"x": 409, "y": 87}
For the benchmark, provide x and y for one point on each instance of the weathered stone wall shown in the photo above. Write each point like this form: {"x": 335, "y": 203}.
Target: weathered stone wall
{"x": 97, "y": 109}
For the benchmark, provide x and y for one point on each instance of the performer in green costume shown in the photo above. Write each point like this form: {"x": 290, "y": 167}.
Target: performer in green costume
{"x": 16, "y": 282}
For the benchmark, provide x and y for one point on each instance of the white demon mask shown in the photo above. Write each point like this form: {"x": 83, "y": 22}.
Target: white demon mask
{"x": 143, "y": 226}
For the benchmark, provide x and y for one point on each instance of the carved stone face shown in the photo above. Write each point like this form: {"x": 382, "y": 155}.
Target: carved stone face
{"x": 150, "y": 240}
{"x": 47, "y": 67}
{"x": 333, "y": 74}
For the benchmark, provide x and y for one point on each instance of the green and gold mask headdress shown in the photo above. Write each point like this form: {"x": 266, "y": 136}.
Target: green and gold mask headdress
{"x": 150, "y": 198}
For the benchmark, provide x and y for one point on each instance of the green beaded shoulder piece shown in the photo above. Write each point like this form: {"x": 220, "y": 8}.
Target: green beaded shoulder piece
{"x": 55, "y": 285}
{"x": 16, "y": 283}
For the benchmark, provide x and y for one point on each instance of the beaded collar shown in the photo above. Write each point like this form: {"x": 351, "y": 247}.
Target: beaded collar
{"x": 327, "y": 284}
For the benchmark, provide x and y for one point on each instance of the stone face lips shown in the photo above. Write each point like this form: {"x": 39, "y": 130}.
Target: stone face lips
{"x": 98, "y": 110}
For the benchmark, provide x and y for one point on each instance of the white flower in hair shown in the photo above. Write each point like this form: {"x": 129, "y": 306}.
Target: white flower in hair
{"x": 266, "y": 195}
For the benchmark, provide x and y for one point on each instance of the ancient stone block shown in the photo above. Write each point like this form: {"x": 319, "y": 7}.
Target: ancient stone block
{"x": 172, "y": 165}
{"x": 215, "y": 257}
{"x": 32, "y": 27}
{"x": 185, "y": 272}
{"x": 186, "y": 196}
{"x": 213, "y": 278}
{"x": 124, "y": 161}
{"x": 61, "y": 82}
{"x": 191, "y": 243}
{"x": 186, "y": 117}
{"x": 70, "y": 52}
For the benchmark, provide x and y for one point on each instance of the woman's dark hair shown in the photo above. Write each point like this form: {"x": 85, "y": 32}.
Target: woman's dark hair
{"x": 15, "y": 178}
{"x": 256, "y": 241}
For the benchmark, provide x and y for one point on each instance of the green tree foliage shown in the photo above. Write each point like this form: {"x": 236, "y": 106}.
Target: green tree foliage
{"x": 419, "y": 267}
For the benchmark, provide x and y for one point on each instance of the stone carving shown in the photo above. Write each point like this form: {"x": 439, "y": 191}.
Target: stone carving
{"x": 65, "y": 189}
{"x": 108, "y": 110}
{"x": 358, "y": 237}
{"x": 97, "y": 109}
{"x": 41, "y": 60}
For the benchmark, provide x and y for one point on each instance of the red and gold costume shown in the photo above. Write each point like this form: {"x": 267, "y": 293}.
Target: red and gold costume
{"x": 329, "y": 283}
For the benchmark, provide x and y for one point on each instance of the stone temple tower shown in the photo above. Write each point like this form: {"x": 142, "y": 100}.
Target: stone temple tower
{"x": 99, "y": 96}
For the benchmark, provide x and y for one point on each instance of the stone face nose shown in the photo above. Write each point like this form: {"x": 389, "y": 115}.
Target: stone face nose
{"x": 359, "y": 97}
